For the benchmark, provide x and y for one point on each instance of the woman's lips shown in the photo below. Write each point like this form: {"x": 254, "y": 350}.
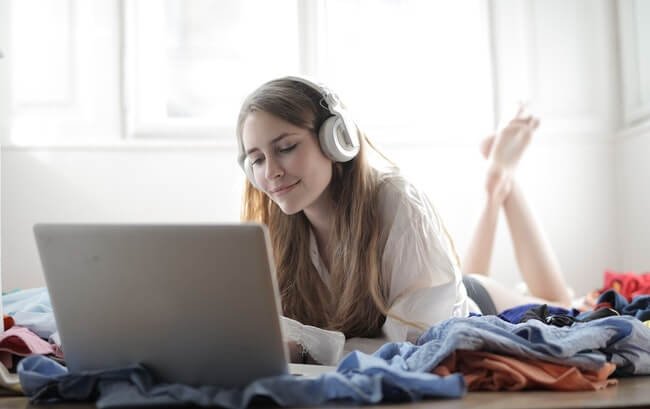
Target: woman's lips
{"x": 285, "y": 189}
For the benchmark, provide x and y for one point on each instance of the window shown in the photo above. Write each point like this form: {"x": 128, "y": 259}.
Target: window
{"x": 193, "y": 61}
{"x": 419, "y": 69}
{"x": 109, "y": 70}
{"x": 64, "y": 59}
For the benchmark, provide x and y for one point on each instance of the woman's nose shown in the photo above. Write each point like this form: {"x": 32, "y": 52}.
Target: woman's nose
{"x": 273, "y": 169}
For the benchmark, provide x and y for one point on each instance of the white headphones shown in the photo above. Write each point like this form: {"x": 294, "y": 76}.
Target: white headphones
{"x": 338, "y": 135}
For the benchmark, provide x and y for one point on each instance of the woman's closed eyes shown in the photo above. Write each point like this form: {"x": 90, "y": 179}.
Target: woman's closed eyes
{"x": 280, "y": 150}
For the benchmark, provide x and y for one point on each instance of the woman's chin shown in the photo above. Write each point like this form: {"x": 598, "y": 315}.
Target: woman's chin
{"x": 288, "y": 208}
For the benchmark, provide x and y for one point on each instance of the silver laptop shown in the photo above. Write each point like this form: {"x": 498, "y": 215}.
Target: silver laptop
{"x": 196, "y": 304}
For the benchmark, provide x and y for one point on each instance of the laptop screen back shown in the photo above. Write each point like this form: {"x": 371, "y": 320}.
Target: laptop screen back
{"x": 197, "y": 304}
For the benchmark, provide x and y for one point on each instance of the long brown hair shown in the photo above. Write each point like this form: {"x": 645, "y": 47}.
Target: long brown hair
{"x": 355, "y": 303}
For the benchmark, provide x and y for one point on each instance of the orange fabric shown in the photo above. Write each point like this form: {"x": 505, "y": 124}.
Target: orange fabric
{"x": 492, "y": 372}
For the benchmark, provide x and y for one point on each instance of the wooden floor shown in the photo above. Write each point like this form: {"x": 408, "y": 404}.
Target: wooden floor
{"x": 630, "y": 393}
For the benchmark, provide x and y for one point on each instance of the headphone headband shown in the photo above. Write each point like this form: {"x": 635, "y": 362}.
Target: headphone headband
{"x": 330, "y": 98}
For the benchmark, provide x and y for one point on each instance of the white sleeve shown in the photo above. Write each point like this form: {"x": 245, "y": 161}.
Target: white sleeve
{"x": 326, "y": 347}
{"x": 425, "y": 283}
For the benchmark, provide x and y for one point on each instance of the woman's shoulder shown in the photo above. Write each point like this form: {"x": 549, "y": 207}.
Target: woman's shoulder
{"x": 404, "y": 207}
{"x": 398, "y": 193}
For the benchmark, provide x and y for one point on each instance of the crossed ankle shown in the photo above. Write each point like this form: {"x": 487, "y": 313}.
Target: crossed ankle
{"x": 498, "y": 184}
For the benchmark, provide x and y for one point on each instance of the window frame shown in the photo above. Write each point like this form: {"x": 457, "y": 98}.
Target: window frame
{"x": 132, "y": 130}
{"x": 196, "y": 130}
{"x": 635, "y": 112}
{"x": 80, "y": 118}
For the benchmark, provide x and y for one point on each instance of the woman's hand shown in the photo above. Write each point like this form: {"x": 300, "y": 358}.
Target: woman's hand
{"x": 298, "y": 355}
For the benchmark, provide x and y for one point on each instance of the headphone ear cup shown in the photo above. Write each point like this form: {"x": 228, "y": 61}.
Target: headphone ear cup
{"x": 333, "y": 140}
{"x": 249, "y": 173}
{"x": 251, "y": 177}
{"x": 326, "y": 138}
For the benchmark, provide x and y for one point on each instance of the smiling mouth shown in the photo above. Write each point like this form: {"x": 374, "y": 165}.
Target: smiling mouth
{"x": 285, "y": 189}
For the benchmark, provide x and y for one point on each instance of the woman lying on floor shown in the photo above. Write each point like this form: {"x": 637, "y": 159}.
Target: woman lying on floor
{"x": 362, "y": 251}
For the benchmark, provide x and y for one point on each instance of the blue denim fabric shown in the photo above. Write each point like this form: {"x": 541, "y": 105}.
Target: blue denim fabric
{"x": 639, "y": 307}
{"x": 359, "y": 378}
{"x": 624, "y": 341}
{"x": 617, "y": 301}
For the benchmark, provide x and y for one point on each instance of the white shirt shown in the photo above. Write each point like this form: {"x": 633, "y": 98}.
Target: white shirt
{"x": 418, "y": 264}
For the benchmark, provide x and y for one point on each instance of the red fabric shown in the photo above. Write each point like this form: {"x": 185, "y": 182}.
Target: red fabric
{"x": 492, "y": 372}
{"x": 629, "y": 284}
{"x": 603, "y": 304}
{"x": 8, "y": 322}
{"x": 23, "y": 342}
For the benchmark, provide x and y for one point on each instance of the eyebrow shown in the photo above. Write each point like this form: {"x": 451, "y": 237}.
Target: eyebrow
{"x": 274, "y": 140}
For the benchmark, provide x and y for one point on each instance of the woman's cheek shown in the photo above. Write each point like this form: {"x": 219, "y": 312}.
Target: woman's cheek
{"x": 302, "y": 161}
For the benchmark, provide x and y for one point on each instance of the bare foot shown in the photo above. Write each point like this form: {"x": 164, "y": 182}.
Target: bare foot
{"x": 504, "y": 152}
{"x": 511, "y": 142}
{"x": 486, "y": 145}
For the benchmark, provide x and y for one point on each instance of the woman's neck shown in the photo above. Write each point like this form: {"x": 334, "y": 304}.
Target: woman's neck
{"x": 321, "y": 217}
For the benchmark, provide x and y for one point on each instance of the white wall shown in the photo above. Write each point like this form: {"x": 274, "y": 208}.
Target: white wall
{"x": 144, "y": 185}
{"x": 563, "y": 56}
{"x": 568, "y": 185}
{"x": 108, "y": 185}
{"x": 633, "y": 197}
{"x": 568, "y": 53}
{"x": 633, "y": 140}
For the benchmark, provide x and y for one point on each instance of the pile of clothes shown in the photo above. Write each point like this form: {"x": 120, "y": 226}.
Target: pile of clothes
{"x": 531, "y": 346}
{"x": 626, "y": 285}
{"x": 29, "y": 329}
